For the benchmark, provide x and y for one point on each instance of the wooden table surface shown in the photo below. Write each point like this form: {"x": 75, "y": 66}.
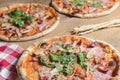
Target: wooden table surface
{"x": 110, "y": 35}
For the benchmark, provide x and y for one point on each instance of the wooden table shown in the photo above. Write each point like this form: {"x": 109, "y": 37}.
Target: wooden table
{"x": 110, "y": 35}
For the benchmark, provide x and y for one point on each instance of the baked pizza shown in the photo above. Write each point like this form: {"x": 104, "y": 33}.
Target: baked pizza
{"x": 19, "y": 22}
{"x": 69, "y": 58}
{"x": 85, "y": 8}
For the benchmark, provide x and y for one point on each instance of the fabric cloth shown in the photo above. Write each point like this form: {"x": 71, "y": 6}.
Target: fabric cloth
{"x": 9, "y": 55}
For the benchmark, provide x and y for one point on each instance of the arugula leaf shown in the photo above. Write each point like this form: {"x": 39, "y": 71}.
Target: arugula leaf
{"x": 69, "y": 59}
{"x": 20, "y": 17}
{"x": 55, "y": 57}
{"x": 70, "y": 48}
{"x": 64, "y": 59}
{"x": 18, "y": 22}
{"x": 27, "y": 18}
{"x": 16, "y": 13}
{"x": 44, "y": 62}
{"x": 97, "y": 5}
{"x": 67, "y": 71}
{"x": 59, "y": 68}
{"x": 82, "y": 59}
{"x": 55, "y": 77}
{"x": 78, "y": 3}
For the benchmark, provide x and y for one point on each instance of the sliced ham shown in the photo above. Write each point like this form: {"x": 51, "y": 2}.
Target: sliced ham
{"x": 105, "y": 1}
{"x": 44, "y": 78}
{"x": 94, "y": 44}
{"x": 92, "y": 9}
{"x": 96, "y": 51}
{"x": 38, "y": 12}
{"x": 44, "y": 73}
{"x": 55, "y": 48}
{"x": 43, "y": 25}
{"x": 101, "y": 76}
{"x": 25, "y": 31}
{"x": 11, "y": 28}
{"x": 5, "y": 19}
{"x": 77, "y": 78}
{"x": 35, "y": 59}
{"x": 7, "y": 26}
{"x": 18, "y": 32}
{"x": 102, "y": 69}
{"x": 40, "y": 52}
{"x": 74, "y": 43}
{"x": 99, "y": 51}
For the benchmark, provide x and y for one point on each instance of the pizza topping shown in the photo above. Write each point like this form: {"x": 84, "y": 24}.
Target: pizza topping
{"x": 19, "y": 18}
{"x": 18, "y": 32}
{"x": 97, "y": 4}
{"x": 83, "y": 3}
{"x": 78, "y": 3}
{"x": 4, "y": 19}
{"x": 18, "y": 22}
{"x": 102, "y": 69}
{"x": 82, "y": 59}
{"x": 66, "y": 61}
{"x": 43, "y": 25}
{"x": 43, "y": 61}
{"x": 100, "y": 76}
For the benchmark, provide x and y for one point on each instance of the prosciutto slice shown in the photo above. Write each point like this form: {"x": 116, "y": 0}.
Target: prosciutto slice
{"x": 100, "y": 76}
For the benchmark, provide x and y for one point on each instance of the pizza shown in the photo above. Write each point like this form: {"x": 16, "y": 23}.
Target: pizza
{"x": 69, "y": 58}
{"x": 85, "y": 8}
{"x": 19, "y": 22}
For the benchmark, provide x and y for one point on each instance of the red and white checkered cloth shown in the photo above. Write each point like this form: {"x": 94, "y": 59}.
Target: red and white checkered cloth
{"x": 9, "y": 54}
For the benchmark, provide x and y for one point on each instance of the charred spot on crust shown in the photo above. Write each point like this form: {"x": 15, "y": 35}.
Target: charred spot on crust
{"x": 115, "y": 72}
{"x": 43, "y": 44}
{"x": 112, "y": 63}
{"x": 50, "y": 17}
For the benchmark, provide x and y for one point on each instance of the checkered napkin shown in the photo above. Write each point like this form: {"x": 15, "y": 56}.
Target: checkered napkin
{"x": 9, "y": 54}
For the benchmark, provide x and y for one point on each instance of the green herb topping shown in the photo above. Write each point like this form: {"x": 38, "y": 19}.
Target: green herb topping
{"x": 65, "y": 60}
{"x": 44, "y": 62}
{"x": 78, "y": 3}
{"x": 82, "y": 59}
{"x": 83, "y": 3}
{"x": 19, "y": 18}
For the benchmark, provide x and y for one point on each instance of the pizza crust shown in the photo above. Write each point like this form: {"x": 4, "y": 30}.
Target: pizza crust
{"x": 2, "y": 37}
{"x": 20, "y": 71}
{"x": 64, "y": 11}
{"x": 29, "y": 50}
{"x": 4, "y": 9}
